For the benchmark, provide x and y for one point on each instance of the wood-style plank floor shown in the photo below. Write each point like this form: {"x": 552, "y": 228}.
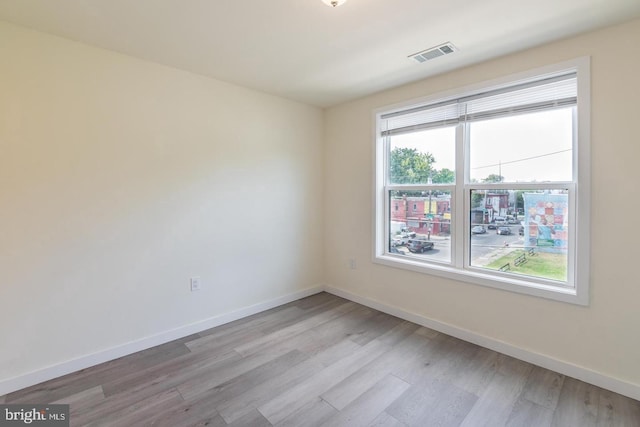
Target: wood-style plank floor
{"x": 326, "y": 361}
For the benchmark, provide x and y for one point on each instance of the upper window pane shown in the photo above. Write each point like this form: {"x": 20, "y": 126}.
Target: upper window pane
{"x": 423, "y": 157}
{"x": 534, "y": 147}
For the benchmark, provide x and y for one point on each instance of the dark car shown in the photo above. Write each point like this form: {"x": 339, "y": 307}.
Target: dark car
{"x": 503, "y": 230}
{"x": 491, "y": 226}
{"x": 419, "y": 246}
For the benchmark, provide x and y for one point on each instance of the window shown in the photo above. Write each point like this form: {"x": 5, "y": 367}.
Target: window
{"x": 498, "y": 177}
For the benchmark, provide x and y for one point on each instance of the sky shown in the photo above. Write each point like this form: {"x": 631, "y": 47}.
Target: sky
{"x": 524, "y": 148}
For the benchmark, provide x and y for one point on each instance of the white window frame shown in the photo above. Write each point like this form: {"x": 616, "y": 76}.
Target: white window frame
{"x": 577, "y": 291}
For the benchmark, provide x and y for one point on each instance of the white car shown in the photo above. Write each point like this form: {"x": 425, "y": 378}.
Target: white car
{"x": 408, "y": 232}
{"x": 499, "y": 220}
{"x": 478, "y": 229}
{"x": 400, "y": 239}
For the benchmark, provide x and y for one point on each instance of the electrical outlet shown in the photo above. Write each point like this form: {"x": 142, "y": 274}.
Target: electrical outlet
{"x": 196, "y": 284}
{"x": 352, "y": 264}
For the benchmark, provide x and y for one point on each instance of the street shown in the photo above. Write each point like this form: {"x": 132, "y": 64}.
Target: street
{"x": 484, "y": 247}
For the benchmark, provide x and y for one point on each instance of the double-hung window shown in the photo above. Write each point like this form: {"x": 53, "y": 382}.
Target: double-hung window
{"x": 490, "y": 184}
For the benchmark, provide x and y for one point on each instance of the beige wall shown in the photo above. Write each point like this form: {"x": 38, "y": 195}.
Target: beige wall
{"x": 120, "y": 179}
{"x": 602, "y": 337}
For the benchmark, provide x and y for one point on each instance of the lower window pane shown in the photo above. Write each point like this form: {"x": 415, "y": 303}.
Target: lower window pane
{"x": 420, "y": 224}
{"x": 523, "y": 232}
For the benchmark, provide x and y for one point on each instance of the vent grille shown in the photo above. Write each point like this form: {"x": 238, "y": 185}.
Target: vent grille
{"x": 434, "y": 52}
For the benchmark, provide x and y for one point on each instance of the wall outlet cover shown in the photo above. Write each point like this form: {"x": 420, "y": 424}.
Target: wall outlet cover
{"x": 196, "y": 284}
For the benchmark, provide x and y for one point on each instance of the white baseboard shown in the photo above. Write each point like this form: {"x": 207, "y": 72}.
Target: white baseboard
{"x": 83, "y": 362}
{"x": 584, "y": 374}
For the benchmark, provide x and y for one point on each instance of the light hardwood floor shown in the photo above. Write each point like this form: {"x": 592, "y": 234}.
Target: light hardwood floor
{"x": 326, "y": 361}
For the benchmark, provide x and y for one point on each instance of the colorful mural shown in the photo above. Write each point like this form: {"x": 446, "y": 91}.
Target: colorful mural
{"x": 546, "y": 221}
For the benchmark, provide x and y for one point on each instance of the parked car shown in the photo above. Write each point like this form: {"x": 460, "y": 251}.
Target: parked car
{"x": 419, "y": 246}
{"x": 500, "y": 220}
{"x": 503, "y": 230}
{"x": 478, "y": 229}
{"x": 400, "y": 239}
{"x": 521, "y": 230}
{"x": 408, "y": 232}
{"x": 394, "y": 250}
{"x": 491, "y": 226}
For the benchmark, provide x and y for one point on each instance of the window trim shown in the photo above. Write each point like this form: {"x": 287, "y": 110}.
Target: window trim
{"x": 579, "y": 227}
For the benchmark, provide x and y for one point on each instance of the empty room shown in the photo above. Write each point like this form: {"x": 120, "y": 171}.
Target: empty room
{"x": 319, "y": 213}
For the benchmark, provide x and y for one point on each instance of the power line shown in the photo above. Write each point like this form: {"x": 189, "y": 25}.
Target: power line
{"x": 522, "y": 160}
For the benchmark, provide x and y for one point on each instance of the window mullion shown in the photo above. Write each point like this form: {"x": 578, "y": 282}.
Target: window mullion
{"x": 459, "y": 205}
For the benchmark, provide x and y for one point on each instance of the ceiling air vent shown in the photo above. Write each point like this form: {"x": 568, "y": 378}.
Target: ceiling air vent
{"x": 434, "y": 52}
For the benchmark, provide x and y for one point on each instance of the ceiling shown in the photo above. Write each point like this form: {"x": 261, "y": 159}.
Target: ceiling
{"x": 306, "y": 51}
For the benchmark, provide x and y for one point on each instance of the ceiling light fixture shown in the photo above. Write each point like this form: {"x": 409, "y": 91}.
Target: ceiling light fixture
{"x": 333, "y": 3}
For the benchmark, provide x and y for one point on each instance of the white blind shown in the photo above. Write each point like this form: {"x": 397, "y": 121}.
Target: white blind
{"x": 549, "y": 93}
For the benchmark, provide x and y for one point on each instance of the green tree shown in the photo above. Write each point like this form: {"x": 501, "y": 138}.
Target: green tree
{"x": 409, "y": 166}
{"x": 443, "y": 176}
{"x": 477, "y": 199}
{"x": 494, "y": 178}
{"x": 519, "y": 200}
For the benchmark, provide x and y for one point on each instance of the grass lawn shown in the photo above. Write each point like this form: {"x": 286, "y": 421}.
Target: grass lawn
{"x": 542, "y": 264}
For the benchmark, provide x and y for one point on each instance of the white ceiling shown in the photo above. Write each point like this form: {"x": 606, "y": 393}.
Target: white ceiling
{"x": 306, "y": 51}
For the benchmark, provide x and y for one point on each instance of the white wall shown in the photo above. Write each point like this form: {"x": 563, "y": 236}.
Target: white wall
{"x": 120, "y": 179}
{"x": 602, "y": 337}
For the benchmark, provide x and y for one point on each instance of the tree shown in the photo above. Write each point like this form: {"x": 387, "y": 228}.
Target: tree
{"x": 494, "y": 178}
{"x": 478, "y": 199}
{"x": 519, "y": 201}
{"x": 409, "y": 166}
{"x": 443, "y": 176}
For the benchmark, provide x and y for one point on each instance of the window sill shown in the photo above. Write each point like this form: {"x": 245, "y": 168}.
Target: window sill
{"x": 511, "y": 284}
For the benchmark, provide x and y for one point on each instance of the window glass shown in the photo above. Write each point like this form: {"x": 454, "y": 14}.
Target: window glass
{"x": 521, "y": 232}
{"x": 534, "y": 147}
{"x": 423, "y": 157}
{"x": 423, "y": 233}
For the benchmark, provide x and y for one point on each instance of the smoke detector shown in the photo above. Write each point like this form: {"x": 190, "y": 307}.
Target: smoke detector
{"x": 433, "y": 52}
